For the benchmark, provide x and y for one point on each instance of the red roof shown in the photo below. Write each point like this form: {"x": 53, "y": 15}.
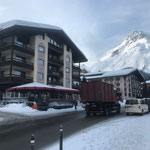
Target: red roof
{"x": 40, "y": 86}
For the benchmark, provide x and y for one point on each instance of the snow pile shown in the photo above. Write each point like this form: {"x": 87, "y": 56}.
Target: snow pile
{"x": 134, "y": 52}
{"x": 18, "y": 108}
{"x": 125, "y": 133}
{"x": 22, "y": 109}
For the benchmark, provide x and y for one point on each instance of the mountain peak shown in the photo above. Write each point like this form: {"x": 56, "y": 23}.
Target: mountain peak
{"x": 134, "y": 36}
{"x": 134, "y": 51}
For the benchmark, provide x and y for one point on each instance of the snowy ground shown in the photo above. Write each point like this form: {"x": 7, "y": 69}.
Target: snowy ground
{"x": 126, "y": 133}
{"x": 117, "y": 133}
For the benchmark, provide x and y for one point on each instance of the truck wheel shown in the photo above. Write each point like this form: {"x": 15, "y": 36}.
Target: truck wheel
{"x": 118, "y": 110}
{"x": 88, "y": 113}
{"x": 94, "y": 113}
{"x": 109, "y": 111}
{"x": 106, "y": 111}
{"x": 141, "y": 113}
{"x": 127, "y": 114}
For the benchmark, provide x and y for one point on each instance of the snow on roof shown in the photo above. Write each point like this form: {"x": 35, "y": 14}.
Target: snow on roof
{"x": 148, "y": 81}
{"x": 28, "y": 24}
{"x": 41, "y": 86}
{"x": 93, "y": 73}
{"x": 121, "y": 72}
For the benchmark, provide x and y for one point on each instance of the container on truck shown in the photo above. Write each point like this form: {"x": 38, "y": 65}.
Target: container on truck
{"x": 99, "y": 97}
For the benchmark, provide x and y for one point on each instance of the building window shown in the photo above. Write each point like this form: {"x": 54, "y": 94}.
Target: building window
{"x": 67, "y": 59}
{"x": 117, "y": 78}
{"x": 41, "y": 62}
{"x": 55, "y": 57}
{"x": 3, "y": 58}
{"x": 50, "y": 55}
{"x": 54, "y": 42}
{"x": 2, "y": 73}
{"x": 105, "y": 80}
{"x": 20, "y": 73}
{"x": 41, "y": 37}
{"x": 68, "y": 49}
{"x": 41, "y": 49}
{"x": 118, "y": 89}
{"x": 67, "y": 70}
{"x": 20, "y": 59}
{"x": 67, "y": 81}
{"x": 118, "y": 84}
{"x": 49, "y": 39}
{"x": 40, "y": 76}
{"x": 55, "y": 80}
{"x": 111, "y": 79}
{"x": 50, "y": 67}
{"x": 17, "y": 73}
{"x": 49, "y": 79}
{"x": 129, "y": 94}
{"x": 19, "y": 43}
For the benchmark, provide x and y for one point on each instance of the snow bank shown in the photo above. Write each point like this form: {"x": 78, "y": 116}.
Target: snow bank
{"x": 126, "y": 133}
{"x": 28, "y": 111}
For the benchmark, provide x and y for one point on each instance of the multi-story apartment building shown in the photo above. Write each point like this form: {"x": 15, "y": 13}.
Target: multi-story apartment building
{"x": 33, "y": 52}
{"x": 126, "y": 81}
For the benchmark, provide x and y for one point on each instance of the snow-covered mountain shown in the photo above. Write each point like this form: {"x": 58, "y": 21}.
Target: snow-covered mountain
{"x": 134, "y": 51}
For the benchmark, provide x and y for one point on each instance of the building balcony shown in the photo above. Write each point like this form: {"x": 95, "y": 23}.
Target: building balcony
{"x": 7, "y": 78}
{"x": 75, "y": 68}
{"x": 55, "y": 62}
{"x": 55, "y": 73}
{"x": 55, "y": 83}
{"x": 15, "y": 62}
{"x": 18, "y": 47}
{"x": 76, "y": 86}
{"x": 55, "y": 48}
{"x": 75, "y": 77}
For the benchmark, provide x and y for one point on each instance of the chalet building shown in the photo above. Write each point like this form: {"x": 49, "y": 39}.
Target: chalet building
{"x": 146, "y": 89}
{"x": 126, "y": 81}
{"x": 34, "y": 52}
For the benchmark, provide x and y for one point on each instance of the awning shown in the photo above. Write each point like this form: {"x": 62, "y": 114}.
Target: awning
{"x": 40, "y": 86}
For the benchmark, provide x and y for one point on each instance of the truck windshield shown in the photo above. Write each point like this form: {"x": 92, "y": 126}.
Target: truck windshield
{"x": 131, "y": 102}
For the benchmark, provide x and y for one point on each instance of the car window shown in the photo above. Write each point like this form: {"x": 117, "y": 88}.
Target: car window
{"x": 131, "y": 102}
{"x": 128, "y": 102}
{"x": 134, "y": 102}
{"x": 143, "y": 102}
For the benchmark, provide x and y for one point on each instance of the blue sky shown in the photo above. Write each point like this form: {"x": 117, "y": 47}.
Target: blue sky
{"x": 95, "y": 26}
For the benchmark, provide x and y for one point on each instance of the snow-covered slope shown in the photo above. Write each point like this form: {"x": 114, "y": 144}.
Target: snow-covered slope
{"x": 134, "y": 51}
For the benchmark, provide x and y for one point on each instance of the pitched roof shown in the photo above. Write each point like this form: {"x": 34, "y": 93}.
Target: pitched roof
{"x": 40, "y": 86}
{"x": 23, "y": 26}
{"x": 12, "y": 23}
{"x": 122, "y": 72}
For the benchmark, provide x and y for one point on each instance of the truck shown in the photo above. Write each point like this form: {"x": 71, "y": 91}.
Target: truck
{"x": 99, "y": 97}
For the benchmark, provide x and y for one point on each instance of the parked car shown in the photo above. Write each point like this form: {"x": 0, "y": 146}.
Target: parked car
{"x": 147, "y": 100}
{"x": 136, "y": 106}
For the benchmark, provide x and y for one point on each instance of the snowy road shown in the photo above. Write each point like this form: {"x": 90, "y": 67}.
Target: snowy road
{"x": 119, "y": 133}
{"x": 46, "y": 131}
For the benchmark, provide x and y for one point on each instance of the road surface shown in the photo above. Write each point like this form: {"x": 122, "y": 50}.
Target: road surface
{"x": 17, "y": 137}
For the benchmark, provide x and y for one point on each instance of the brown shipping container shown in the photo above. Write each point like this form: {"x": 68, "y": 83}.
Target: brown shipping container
{"x": 97, "y": 91}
